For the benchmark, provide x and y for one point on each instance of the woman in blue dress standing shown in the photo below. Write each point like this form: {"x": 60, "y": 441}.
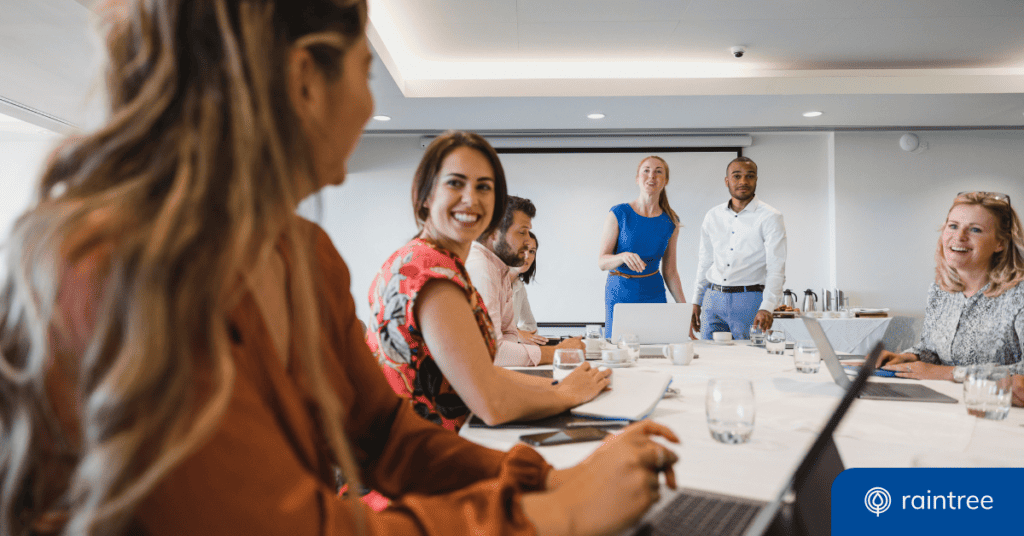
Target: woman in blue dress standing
{"x": 639, "y": 238}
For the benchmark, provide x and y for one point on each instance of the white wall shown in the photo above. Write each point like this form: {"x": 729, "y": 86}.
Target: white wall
{"x": 890, "y": 205}
{"x": 22, "y": 155}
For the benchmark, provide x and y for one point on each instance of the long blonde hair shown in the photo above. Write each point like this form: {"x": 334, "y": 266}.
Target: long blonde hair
{"x": 195, "y": 177}
{"x": 663, "y": 198}
{"x": 1006, "y": 269}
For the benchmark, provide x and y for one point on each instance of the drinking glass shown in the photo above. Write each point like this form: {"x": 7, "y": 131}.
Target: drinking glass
{"x": 844, "y": 308}
{"x": 594, "y": 331}
{"x": 730, "y": 410}
{"x": 756, "y": 335}
{"x": 631, "y": 343}
{"x": 987, "y": 391}
{"x": 775, "y": 342}
{"x": 566, "y": 360}
{"x": 806, "y": 357}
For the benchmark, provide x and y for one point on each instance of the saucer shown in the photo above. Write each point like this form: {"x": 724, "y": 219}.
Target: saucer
{"x": 723, "y": 343}
{"x": 624, "y": 364}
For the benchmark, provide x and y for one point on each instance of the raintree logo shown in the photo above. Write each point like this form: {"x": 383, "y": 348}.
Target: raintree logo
{"x": 877, "y": 500}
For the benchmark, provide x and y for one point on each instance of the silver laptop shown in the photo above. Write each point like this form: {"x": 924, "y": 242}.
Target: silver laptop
{"x": 910, "y": 392}
{"x": 802, "y": 508}
{"x": 653, "y": 323}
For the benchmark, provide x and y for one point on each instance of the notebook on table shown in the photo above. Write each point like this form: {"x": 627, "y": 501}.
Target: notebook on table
{"x": 910, "y": 392}
{"x": 802, "y": 507}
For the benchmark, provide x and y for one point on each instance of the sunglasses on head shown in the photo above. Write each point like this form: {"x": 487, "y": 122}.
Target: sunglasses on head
{"x": 995, "y": 196}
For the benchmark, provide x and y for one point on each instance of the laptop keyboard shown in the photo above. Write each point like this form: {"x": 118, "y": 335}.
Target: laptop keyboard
{"x": 881, "y": 389}
{"x": 696, "y": 512}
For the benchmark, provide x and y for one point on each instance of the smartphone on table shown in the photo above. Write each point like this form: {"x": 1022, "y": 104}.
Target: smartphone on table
{"x": 562, "y": 437}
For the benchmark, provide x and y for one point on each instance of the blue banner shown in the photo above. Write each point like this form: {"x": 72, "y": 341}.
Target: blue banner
{"x": 878, "y": 502}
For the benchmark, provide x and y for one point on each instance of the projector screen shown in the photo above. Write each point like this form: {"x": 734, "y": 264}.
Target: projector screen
{"x": 574, "y": 191}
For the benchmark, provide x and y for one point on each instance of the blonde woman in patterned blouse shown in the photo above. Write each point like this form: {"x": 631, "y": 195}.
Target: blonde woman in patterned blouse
{"x": 975, "y": 311}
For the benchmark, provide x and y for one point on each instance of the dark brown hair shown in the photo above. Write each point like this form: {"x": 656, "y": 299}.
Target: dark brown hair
{"x": 742, "y": 160}
{"x": 426, "y": 174}
{"x": 527, "y": 276}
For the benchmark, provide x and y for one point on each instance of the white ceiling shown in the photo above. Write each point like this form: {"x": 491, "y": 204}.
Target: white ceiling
{"x": 648, "y": 65}
{"x": 541, "y": 65}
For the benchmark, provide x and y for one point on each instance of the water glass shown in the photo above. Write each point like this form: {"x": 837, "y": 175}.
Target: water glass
{"x": 756, "y": 335}
{"x": 730, "y": 410}
{"x": 806, "y": 357}
{"x": 594, "y": 331}
{"x": 566, "y": 360}
{"x": 987, "y": 391}
{"x": 775, "y": 342}
{"x": 630, "y": 343}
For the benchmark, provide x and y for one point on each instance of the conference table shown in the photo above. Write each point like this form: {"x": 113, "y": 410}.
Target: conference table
{"x": 791, "y": 409}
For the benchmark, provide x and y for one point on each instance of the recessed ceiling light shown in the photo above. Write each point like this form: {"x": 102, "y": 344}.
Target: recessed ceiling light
{"x": 382, "y": 118}
{"x": 595, "y": 116}
{"x": 812, "y": 114}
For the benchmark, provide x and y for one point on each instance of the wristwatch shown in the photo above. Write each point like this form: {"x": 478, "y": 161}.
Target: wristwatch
{"x": 959, "y": 374}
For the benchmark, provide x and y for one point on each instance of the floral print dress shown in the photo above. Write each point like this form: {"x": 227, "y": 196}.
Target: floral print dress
{"x": 394, "y": 336}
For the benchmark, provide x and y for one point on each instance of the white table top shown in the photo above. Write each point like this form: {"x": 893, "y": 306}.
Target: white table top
{"x": 791, "y": 409}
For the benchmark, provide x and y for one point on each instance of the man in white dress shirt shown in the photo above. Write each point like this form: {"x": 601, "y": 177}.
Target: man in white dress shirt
{"x": 488, "y": 265}
{"x": 742, "y": 261}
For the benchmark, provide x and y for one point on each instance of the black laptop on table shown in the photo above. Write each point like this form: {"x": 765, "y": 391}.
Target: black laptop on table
{"x": 910, "y": 392}
{"x": 802, "y": 508}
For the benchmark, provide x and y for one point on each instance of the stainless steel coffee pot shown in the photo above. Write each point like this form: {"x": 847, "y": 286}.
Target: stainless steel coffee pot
{"x": 789, "y": 299}
{"x": 809, "y": 298}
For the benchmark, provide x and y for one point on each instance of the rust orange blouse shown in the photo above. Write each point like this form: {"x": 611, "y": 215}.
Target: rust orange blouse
{"x": 265, "y": 472}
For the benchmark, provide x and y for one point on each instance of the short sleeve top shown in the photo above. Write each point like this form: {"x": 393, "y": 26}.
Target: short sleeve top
{"x": 396, "y": 340}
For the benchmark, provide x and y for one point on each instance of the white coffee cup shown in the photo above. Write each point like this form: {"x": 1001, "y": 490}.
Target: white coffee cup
{"x": 594, "y": 346}
{"x": 721, "y": 336}
{"x": 613, "y": 355}
{"x": 680, "y": 353}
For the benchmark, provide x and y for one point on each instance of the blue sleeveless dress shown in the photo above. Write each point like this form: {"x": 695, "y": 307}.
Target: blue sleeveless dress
{"x": 648, "y": 238}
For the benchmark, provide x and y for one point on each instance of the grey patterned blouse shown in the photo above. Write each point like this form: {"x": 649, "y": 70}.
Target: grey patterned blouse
{"x": 967, "y": 331}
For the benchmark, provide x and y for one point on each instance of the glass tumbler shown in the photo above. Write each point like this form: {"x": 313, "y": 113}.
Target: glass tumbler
{"x": 730, "y": 410}
{"x": 566, "y": 361}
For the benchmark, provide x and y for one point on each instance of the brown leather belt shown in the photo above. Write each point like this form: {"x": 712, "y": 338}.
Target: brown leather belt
{"x": 631, "y": 276}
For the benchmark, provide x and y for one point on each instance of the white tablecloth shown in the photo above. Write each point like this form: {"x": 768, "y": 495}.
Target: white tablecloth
{"x": 791, "y": 409}
{"x": 847, "y": 335}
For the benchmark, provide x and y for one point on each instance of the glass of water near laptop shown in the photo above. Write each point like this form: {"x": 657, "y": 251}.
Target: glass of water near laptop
{"x": 987, "y": 391}
{"x": 806, "y": 357}
{"x": 730, "y": 410}
{"x": 565, "y": 361}
{"x": 775, "y": 342}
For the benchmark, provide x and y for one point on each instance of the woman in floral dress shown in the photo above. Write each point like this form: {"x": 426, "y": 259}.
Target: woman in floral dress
{"x": 430, "y": 330}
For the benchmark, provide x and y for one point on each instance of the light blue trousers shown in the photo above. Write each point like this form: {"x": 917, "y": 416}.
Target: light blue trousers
{"x": 728, "y": 311}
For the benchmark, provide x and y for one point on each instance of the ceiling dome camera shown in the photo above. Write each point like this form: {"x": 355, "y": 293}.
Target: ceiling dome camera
{"x": 738, "y": 52}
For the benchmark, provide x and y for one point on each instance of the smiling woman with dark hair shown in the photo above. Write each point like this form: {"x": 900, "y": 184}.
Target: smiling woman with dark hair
{"x": 430, "y": 330}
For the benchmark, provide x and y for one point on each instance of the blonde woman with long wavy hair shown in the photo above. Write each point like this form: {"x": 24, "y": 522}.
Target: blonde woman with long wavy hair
{"x": 179, "y": 352}
{"x": 975, "y": 311}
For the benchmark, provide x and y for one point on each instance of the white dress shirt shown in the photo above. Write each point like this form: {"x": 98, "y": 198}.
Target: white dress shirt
{"x": 742, "y": 249}
{"x": 490, "y": 276}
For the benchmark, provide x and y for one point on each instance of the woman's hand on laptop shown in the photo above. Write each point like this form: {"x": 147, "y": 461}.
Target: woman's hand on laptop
{"x": 614, "y": 486}
{"x": 890, "y": 358}
{"x": 918, "y": 370}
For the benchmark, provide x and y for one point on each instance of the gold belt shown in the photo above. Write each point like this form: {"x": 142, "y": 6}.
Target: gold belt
{"x": 631, "y": 276}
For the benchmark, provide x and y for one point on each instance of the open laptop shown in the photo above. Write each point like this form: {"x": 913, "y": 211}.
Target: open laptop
{"x": 911, "y": 392}
{"x": 802, "y": 508}
{"x": 655, "y": 324}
